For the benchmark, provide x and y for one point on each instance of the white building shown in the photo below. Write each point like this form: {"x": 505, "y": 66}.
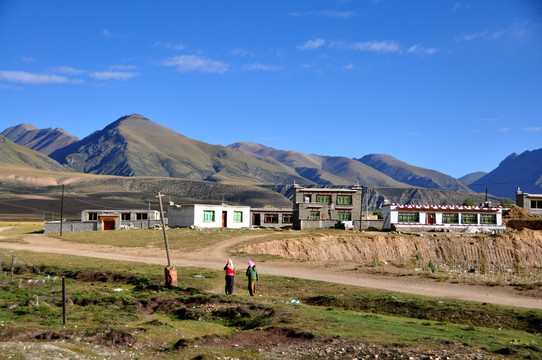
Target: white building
{"x": 209, "y": 216}
{"x": 439, "y": 218}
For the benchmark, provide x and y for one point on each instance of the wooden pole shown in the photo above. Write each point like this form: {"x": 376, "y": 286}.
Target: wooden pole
{"x": 164, "y": 228}
{"x": 64, "y": 300}
{"x": 62, "y": 210}
{"x": 170, "y": 271}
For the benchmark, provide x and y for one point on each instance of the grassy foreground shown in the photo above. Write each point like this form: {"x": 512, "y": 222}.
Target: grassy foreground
{"x": 123, "y": 310}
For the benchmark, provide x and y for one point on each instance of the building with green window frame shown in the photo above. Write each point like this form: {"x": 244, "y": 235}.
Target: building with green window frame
{"x": 442, "y": 218}
{"x": 209, "y": 216}
{"x": 318, "y": 208}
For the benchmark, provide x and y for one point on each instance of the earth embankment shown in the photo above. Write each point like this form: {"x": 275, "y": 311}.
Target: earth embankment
{"x": 522, "y": 247}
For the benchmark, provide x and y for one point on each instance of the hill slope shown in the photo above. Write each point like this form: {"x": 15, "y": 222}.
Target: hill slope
{"x": 413, "y": 175}
{"x": 45, "y": 141}
{"x": 332, "y": 170}
{"x": 135, "y": 146}
{"x": 14, "y": 154}
{"x": 524, "y": 171}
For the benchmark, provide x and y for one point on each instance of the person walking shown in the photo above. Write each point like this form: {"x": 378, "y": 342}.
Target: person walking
{"x": 230, "y": 277}
{"x": 252, "y": 275}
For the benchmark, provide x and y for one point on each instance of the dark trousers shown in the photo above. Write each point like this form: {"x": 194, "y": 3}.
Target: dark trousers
{"x": 229, "y": 284}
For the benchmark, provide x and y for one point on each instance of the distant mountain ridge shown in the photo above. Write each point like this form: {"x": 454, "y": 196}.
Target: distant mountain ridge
{"x": 329, "y": 170}
{"x": 413, "y": 175}
{"x": 45, "y": 141}
{"x": 135, "y": 146}
{"x": 523, "y": 171}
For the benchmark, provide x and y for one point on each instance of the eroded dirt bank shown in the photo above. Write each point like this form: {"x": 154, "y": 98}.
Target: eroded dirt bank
{"x": 509, "y": 249}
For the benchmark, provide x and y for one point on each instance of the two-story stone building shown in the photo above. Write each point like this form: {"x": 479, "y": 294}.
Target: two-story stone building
{"x": 317, "y": 208}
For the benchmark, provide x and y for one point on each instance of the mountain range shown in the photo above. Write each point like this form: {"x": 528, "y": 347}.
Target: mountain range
{"x": 135, "y": 146}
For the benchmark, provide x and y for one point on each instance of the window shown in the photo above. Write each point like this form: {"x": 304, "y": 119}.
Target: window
{"x": 488, "y": 219}
{"x": 287, "y": 218}
{"x": 323, "y": 199}
{"x": 469, "y": 219}
{"x": 307, "y": 198}
{"x": 344, "y": 199}
{"x": 271, "y": 218}
{"x": 450, "y": 218}
{"x": 208, "y": 215}
{"x": 237, "y": 216}
{"x": 314, "y": 215}
{"x": 141, "y": 216}
{"x": 92, "y": 216}
{"x": 409, "y": 217}
{"x": 536, "y": 204}
{"x": 344, "y": 216}
{"x": 126, "y": 216}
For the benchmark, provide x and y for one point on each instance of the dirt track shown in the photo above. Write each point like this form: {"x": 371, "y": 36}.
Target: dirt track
{"x": 216, "y": 257}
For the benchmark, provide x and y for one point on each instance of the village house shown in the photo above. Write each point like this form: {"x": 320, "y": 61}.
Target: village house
{"x": 98, "y": 220}
{"x": 208, "y": 216}
{"x": 269, "y": 217}
{"x": 442, "y": 218}
{"x": 318, "y": 208}
{"x": 530, "y": 202}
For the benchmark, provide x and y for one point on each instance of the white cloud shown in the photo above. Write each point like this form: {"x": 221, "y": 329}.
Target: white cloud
{"x": 113, "y": 75}
{"x": 349, "y": 67}
{"x": 417, "y": 49}
{"x": 24, "y": 77}
{"x": 261, "y": 67}
{"x": 190, "y": 63}
{"x": 503, "y": 130}
{"x": 515, "y": 30}
{"x": 312, "y": 44}
{"x": 68, "y": 70}
{"x": 28, "y": 59}
{"x": 176, "y": 47}
{"x": 533, "y": 129}
{"x": 376, "y": 46}
{"x": 241, "y": 52}
{"x": 324, "y": 13}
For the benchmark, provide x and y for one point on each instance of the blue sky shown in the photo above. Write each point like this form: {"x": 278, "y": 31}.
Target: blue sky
{"x": 454, "y": 86}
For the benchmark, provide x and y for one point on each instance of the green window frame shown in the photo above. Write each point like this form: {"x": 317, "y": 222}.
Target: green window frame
{"x": 271, "y": 218}
{"x": 469, "y": 219}
{"x": 488, "y": 219}
{"x": 323, "y": 199}
{"x": 287, "y": 218}
{"x": 344, "y": 199}
{"x": 450, "y": 218}
{"x": 209, "y": 215}
{"x": 344, "y": 216}
{"x": 237, "y": 216}
{"x": 314, "y": 215}
{"x": 410, "y": 217}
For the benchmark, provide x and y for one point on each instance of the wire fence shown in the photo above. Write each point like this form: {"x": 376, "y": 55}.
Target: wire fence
{"x": 39, "y": 287}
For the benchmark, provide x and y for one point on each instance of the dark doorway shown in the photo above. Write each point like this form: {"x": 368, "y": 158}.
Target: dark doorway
{"x": 224, "y": 219}
{"x": 109, "y": 224}
{"x": 256, "y": 220}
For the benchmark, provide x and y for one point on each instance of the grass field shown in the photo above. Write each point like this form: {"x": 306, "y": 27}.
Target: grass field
{"x": 123, "y": 310}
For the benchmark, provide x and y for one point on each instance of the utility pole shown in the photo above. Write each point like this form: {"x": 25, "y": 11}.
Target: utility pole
{"x": 62, "y": 210}
{"x": 170, "y": 271}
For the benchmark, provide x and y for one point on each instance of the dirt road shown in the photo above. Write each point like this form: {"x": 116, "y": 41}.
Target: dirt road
{"x": 216, "y": 257}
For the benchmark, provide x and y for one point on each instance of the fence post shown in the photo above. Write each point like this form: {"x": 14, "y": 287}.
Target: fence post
{"x": 12, "y": 265}
{"x": 64, "y": 300}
